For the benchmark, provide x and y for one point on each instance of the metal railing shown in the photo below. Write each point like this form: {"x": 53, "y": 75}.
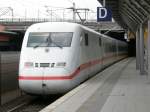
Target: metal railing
{"x": 39, "y": 20}
{"x": 23, "y": 23}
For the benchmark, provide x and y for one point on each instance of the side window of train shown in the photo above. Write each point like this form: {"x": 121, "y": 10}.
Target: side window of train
{"x": 86, "y": 39}
{"x": 81, "y": 40}
{"x": 100, "y": 41}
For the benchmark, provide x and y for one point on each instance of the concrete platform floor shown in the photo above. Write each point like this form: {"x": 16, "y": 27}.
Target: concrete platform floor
{"x": 119, "y": 88}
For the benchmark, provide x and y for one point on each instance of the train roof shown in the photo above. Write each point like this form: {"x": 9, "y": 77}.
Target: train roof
{"x": 54, "y": 26}
{"x": 63, "y": 27}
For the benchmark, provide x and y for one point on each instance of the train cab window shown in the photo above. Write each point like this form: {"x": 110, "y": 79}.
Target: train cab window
{"x": 100, "y": 41}
{"x": 50, "y": 39}
{"x": 86, "y": 39}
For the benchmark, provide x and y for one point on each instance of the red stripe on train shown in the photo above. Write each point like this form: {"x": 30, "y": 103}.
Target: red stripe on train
{"x": 67, "y": 77}
{"x": 22, "y": 77}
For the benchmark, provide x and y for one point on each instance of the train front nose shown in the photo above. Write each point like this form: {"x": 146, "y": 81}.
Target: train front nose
{"x": 45, "y": 78}
{"x": 30, "y": 79}
{"x": 45, "y": 86}
{"x": 31, "y": 86}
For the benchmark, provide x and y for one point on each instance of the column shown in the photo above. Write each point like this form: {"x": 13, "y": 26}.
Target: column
{"x": 137, "y": 50}
{"x": 148, "y": 48}
{"x": 142, "y": 65}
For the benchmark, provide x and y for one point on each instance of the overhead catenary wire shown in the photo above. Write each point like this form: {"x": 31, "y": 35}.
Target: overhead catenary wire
{"x": 60, "y": 12}
{"x": 71, "y": 1}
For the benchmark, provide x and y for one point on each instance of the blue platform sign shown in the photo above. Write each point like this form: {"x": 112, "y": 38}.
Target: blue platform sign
{"x": 104, "y": 14}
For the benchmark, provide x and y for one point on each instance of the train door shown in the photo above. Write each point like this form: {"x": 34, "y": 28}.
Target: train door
{"x": 117, "y": 50}
{"x": 84, "y": 54}
{"x": 101, "y": 52}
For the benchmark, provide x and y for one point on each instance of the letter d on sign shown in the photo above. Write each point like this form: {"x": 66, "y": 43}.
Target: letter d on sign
{"x": 104, "y": 14}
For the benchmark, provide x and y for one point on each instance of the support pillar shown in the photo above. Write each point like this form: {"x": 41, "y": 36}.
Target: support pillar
{"x": 148, "y": 48}
{"x": 142, "y": 65}
{"x": 137, "y": 50}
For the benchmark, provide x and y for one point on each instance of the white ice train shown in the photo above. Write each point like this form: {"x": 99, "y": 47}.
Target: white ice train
{"x": 57, "y": 56}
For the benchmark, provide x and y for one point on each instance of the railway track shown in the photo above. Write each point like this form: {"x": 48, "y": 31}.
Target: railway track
{"x": 28, "y": 104}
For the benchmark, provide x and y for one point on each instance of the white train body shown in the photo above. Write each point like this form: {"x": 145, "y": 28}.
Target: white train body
{"x": 57, "y": 56}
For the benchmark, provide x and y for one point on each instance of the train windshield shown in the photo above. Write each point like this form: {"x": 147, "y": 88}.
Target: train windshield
{"x": 52, "y": 39}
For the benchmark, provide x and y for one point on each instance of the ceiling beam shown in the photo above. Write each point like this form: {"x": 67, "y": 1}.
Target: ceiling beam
{"x": 141, "y": 6}
{"x": 130, "y": 24}
{"x": 137, "y": 9}
{"x": 131, "y": 11}
{"x": 146, "y": 1}
{"x": 134, "y": 20}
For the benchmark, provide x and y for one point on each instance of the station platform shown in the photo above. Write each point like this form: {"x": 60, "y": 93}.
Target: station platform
{"x": 119, "y": 88}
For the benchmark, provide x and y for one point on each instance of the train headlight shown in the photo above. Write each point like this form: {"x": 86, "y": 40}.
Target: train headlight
{"x": 61, "y": 64}
{"x": 28, "y": 64}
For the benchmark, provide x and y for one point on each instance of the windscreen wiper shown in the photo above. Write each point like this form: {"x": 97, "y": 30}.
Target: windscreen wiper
{"x": 48, "y": 41}
{"x": 51, "y": 41}
{"x": 38, "y": 45}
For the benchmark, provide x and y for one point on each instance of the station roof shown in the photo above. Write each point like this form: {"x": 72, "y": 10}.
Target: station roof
{"x": 129, "y": 13}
